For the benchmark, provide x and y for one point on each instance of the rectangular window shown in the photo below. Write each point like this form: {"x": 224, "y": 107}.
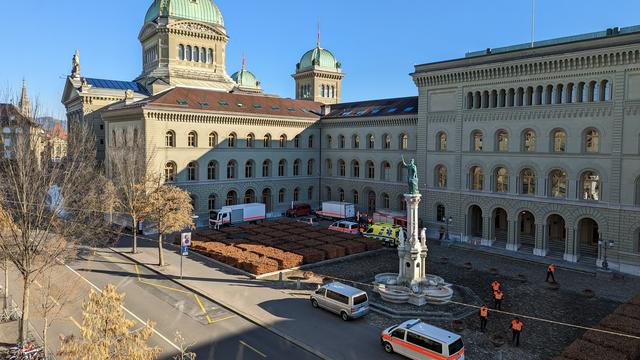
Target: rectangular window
{"x": 424, "y": 342}
{"x": 338, "y": 297}
{"x": 398, "y": 333}
{"x": 360, "y": 299}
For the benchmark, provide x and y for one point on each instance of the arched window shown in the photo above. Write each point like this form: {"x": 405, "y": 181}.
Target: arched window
{"x": 212, "y": 170}
{"x": 558, "y": 183}
{"x": 210, "y": 56}
{"x": 203, "y": 55}
{"x": 386, "y": 203}
{"x": 502, "y": 141}
{"x": 511, "y": 94}
{"x": 329, "y": 167}
{"x": 310, "y": 193}
{"x": 592, "y": 91}
{"x": 355, "y": 141}
{"x": 591, "y": 141}
{"x": 296, "y": 194}
{"x": 402, "y": 172}
{"x": 502, "y": 180}
{"x": 250, "y": 196}
{"x": 232, "y": 140}
{"x": 170, "y": 171}
{"x": 386, "y": 142}
{"x": 527, "y": 182}
{"x": 528, "y": 141}
{"x": 327, "y": 191}
{"x": 485, "y": 99}
{"x": 559, "y": 95}
{"x": 296, "y": 141}
{"x": 341, "y": 141}
{"x": 355, "y": 169}
{"x": 266, "y": 141}
{"x": 605, "y": 90}
{"x": 356, "y": 197}
{"x": 192, "y": 139}
{"x": 342, "y": 168}
{"x": 213, "y": 139}
{"x": 310, "y": 167}
{"x": 583, "y": 92}
{"x": 251, "y": 139}
{"x": 296, "y": 167}
{"x": 572, "y": 93}
{"x": 329, "y": 142}
{"x": 404, "y": 141}
{"x": 548, "y": 94}
{"x": 402, "y": 203}
{"x": 281, "y": 195}
{"x": 441, "y": 141}
{"x": 188, "y": 53}
{"x": 213, "y": 199}
{"x": 231, "y": 169}
{"x": 282, "y": 168}
{"x": 520, "y": 97}
{"x": 283, "y": 141}
{"x": 441, "y": 176}
{"x": 371, "y": 142}
{"x": 180, "y": 52}
{"x": 371, "y": 170}
{"x": 477, "y": 100}
{"x": 341, "y": 195}
{"x": 477, "y": 178}
{"x": 476, "y": 140}
{"x": 196, "y": 54}
{"x": 469, "y": 100}
{"x": 248, "y": 169}
{"x": 559, "y": 141}
{"x": 441, "y": 215}
{"x": 232, "y": 198}
{"x": 538, "y": 95}
{"x": 310, "y": 142}
{"x": 385, "y": 174}
{"x": 590, "y": 185}
{"x": 266, "y": 168}
{"x": 169, "y": 139}
{"x": 192, "y": 171}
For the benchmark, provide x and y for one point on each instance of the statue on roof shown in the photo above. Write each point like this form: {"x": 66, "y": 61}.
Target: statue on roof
{"x": 75, "y": 65}
{"x": 412, "y": 175}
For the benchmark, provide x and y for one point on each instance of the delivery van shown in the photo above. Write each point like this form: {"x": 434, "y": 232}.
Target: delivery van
{"x": 344, "y": 300}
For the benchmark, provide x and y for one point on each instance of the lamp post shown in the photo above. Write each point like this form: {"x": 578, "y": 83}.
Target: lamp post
{"x": 604, "y": 245}
{"x": 449, "y": 221}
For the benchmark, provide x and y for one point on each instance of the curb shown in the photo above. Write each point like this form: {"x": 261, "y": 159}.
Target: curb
{"x": 232, "y": 308}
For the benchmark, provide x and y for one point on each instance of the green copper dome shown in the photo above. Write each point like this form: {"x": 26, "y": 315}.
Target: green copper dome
{"x": 198, "y": 10}
{"x": 318, "y": 57}
{"x": 245, "y": 78}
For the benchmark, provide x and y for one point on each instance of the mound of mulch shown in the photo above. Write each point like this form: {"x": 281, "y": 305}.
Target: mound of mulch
{"x": 332, "y": 251}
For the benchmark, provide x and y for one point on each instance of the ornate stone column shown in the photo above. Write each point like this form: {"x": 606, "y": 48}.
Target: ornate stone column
{"x": 412, "y": 253}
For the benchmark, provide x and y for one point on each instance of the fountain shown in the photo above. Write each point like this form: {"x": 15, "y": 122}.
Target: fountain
{"x": 412, "y": 284}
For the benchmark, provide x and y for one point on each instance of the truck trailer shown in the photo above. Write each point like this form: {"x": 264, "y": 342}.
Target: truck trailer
{"x": 337, "y": 210}
{"x": 237, "y": 214}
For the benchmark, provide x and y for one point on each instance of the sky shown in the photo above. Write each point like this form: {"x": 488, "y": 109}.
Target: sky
{"x": 378, "y": 42}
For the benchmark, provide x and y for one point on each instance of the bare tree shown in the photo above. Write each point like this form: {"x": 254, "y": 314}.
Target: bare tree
{"x": 107, "y": 333}
{"x": 184, "y": 352}
{"x": 52, "y": 206}
{"x": 6, "y": 223}
{"x": 170, "y": 208}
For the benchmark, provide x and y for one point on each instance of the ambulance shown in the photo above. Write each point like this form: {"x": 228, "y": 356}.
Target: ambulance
{"x": 418, "y": 340}
{"x": 387, "y": 233}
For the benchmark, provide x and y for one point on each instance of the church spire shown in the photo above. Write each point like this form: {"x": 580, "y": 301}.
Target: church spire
{"x": 25, "y": 104}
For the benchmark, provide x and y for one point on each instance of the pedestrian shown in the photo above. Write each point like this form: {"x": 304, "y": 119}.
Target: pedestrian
{"x": 551, "y": 270}
{"x": 498, "y": 296}
{"x": 441, "y": 233}
{"x": 516, "y": 329}
{"x": 484, "y": 314}
{"x": 495, "y": 285}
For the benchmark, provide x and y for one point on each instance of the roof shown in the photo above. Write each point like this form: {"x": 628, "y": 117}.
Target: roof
{"x": 58, "y": 132}
{"x": 198, "y": 10}
{"x": 10, "y": 116}
{"x": 245, "y": 78}
{"x": 319, "y": 57}
{"x": 385, "y": 107}
{"x": 343, "y": 289}
{"x": 116, "y": 85}
{"x": 210, "y": 100}
{"x": 421, "y": 327}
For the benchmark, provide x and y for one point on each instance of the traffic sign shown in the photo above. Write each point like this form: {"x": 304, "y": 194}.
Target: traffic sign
{"x": 184, "y": 250}
{"x": 185, "y": 239}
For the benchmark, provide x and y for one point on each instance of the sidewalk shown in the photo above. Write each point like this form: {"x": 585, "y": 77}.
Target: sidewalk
{"x": 289, "y": 315}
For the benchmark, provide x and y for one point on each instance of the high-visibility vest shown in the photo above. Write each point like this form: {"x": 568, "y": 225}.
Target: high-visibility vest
{"x": 498, "y": 295}
{"x": 516, "y": 325}
{"x": 495, "y": 285}
{"x": 484, "y": 312}
{"x": 551, "y": 268}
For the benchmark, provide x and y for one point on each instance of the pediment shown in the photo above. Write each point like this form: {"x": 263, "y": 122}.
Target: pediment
{"x": 70, "y": 91}
{"x": 197, "y": 27}
{"x": 147, "y": 30}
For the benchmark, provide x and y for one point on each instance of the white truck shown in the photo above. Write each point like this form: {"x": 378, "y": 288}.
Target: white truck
{"x": 236, "y": 214}
{"x": 337, "y": 210}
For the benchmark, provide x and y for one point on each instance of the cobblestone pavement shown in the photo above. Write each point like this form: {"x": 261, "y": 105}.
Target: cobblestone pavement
{"x": 534, "y": 297}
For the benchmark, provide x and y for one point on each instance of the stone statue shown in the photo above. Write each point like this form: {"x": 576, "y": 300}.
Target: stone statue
{"x": 75, "y": 65}
{"x": 423, "y": 236}
{"x": 412, "y": 176}
{"x": 401, "y": 238}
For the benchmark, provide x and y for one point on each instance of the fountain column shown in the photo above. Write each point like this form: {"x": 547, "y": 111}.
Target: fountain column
{"x": 412, "y": 252}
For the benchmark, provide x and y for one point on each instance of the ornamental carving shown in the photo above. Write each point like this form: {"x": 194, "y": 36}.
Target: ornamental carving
{"x": 195, "y": 27}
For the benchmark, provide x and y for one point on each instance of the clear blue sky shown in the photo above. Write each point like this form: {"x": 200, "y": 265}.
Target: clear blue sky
{"x": 377, "y": 41}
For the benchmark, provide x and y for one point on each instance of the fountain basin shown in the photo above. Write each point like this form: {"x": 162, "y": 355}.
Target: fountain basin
{"x": 434, "y": 290}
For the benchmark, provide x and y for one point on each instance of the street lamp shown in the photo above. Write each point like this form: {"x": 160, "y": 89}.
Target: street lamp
{"x": 604, "y": 245}
{"x": 449, "y": 221}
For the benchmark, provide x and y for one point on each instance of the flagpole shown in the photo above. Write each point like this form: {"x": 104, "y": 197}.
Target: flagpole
{"x": 533, "y": 21}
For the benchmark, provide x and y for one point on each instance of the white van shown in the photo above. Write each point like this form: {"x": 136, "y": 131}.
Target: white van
{"x": 418, "y": 340}
{"x": 344, "y": 300}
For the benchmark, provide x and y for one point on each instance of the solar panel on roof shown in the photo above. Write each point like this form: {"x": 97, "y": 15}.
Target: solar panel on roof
{"x": 392, "y": 110}
{"x": 410, "y": 108}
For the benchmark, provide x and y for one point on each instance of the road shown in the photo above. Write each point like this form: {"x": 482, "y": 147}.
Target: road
{"x": 212, "y": 331}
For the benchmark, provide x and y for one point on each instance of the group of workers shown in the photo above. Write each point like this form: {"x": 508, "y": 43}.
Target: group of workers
{"x": 498, "y": 296}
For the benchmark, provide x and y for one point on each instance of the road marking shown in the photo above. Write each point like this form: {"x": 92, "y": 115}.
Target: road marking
{"x": 204, "y": 311}
{"x": 75, "y": 322}
{"x": 125, "y": 309}
{"x": 223, "y": 319}
{"x": 254, "y": 349}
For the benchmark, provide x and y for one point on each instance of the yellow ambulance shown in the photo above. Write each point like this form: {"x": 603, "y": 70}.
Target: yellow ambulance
{"x": 389, "y": 234}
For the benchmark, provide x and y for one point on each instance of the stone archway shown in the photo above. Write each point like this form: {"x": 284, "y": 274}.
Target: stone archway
{"x": 556, "y": 234}
{"x": 474, "y": 227}
{"x": 371, "y": 202}
{"x": 266, "y": 199}
{"x": 588, "y": 236}
{"x": 500, "y": 225}
{"x": 526, "y": 229}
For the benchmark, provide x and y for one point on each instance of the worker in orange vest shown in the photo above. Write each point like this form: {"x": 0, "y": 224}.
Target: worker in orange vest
{"x": 498, "y": 296}
{"x": 495, "y": 285}
{"x": 551, "y": 270}
{"x": 516, "y": 329}
{"x": 484, "y": 314}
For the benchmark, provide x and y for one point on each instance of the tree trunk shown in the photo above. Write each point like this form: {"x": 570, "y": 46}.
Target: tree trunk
{"x": 45, "y": 346}
{"x": 135, "y": 237}
{"x": 6, "y": 284}
{"x": 160, "y": 251}
{"x": 23, "y": 323}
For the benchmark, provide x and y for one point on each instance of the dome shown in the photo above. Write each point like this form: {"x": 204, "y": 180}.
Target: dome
{"x": 245, "y": 78}
{"x": 198, "y": 10}
{"x": 318, "y": 57}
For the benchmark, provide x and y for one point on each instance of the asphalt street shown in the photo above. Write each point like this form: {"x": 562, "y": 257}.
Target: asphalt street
{"x": 211, "y": 331}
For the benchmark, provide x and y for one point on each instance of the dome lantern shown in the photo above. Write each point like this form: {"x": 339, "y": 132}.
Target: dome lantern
{"x": 198, "y": 10}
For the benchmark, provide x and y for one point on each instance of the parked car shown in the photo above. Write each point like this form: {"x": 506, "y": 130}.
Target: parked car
{"x": 418, "y": 340}
{"x": 387, "y": 233}
{"x": 348, "y": 227}
{"x": 309, "y": 220}
{"x": 298, "y": 210}
{"x": 344, "y": 300}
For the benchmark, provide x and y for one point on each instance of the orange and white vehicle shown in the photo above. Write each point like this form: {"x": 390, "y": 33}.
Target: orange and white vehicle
{"x": 418, "y": 340}
{"x": 346, "y": 227}
{"x": 236, "y": 214}
{"x": 335, "y": 210}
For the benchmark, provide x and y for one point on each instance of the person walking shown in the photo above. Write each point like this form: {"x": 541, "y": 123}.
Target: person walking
{"x": 484, "y": 315}
{"x": 495, "y": 285}
{"x": 516, "y": 329}
{"x": 498, "y": 296}
{"x": 551, "y": 270}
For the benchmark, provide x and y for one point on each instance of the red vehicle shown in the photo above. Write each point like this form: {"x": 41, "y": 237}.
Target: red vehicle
{"x": 298, "y": 210}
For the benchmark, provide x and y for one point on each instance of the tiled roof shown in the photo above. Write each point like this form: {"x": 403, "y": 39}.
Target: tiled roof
{"x": 386, "y": 107}
{"x": 208, "y": 100}
{"x": 116, "y": 85}
{"x": 11, "y": 116}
